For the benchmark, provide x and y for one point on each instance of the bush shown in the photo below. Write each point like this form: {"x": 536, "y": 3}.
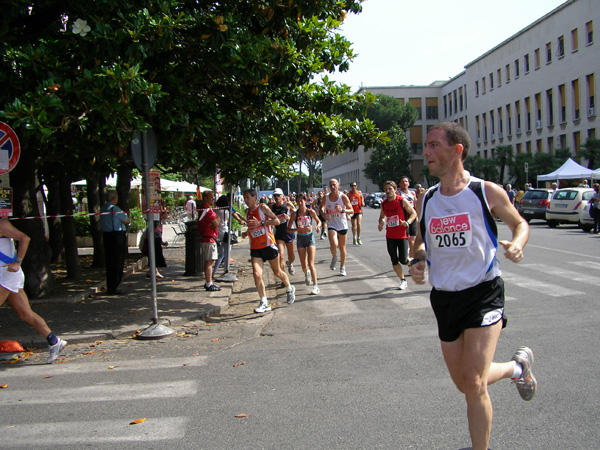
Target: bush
{"x": 82, "y": 225}
{"x": 137, "y": 222}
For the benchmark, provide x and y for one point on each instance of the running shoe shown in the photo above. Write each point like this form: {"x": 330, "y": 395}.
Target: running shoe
{"x": 333, "y": 263}
{"x": 322, "y": 238}
{"x": 359, "y": 241}
{"x": 212, "y": 288}
{"x": 315, "y": 290}
{"x": 291, "y": 269}
{"x": 354, "y": 241}
{"x": 263, "y": 307}
{"x": 307, "y": 278}
{"x": 403, "y": 284}
{"x": 343, "y": 271}
{"x": 526, "y": 384}
{"x": 55, "y": 350}
{"x": 291, "y": 294}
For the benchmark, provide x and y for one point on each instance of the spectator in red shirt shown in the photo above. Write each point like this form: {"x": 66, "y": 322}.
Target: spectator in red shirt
{"x": 208, "y": 229}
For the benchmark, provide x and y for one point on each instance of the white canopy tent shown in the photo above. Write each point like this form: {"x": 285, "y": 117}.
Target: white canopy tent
{"x": 165, "y": 185}
{"x": 570, "y": 170}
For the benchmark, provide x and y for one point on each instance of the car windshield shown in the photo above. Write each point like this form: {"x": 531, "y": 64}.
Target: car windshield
{"x": 565, "y": 194}
{"x": 536, "y": 195}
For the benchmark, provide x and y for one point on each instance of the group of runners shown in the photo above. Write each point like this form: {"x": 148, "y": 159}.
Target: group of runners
{"x": 451, "y": 230}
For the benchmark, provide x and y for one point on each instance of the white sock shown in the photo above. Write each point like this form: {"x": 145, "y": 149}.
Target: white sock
{"x": 517, "y": 370}
{"x": 264, "y": 300}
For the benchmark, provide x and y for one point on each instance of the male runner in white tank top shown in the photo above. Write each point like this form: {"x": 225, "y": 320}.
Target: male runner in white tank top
{"x": 458, "y": 239}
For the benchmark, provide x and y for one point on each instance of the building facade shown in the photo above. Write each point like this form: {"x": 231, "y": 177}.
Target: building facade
{"x": 535, "y": 91}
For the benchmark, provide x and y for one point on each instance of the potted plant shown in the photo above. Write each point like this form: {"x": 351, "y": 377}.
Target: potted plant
{"x": 136, "y": 226}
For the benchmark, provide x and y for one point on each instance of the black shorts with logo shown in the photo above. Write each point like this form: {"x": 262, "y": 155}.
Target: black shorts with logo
{"x": 266, "y": 254}
{"x": 478, "y": 306}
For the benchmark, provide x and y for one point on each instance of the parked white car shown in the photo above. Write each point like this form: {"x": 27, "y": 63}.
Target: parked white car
{"x": 586, "y": 221}
{"x": 567, "y": 206}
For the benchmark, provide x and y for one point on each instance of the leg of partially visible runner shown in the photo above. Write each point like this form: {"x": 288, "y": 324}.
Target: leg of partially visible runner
{"x": 281, "y": 257}
{"x": 311, "y": 251}
{"x": 342, "y": 246}
{"x": 20, "y": 303}
{"x": 279, "y": 273}
{"x": 354, "y": 229}
{"x": 290, "y": 252}
{"x": 469, "y": 360}
{"x": 302, "y": 258}
{"x": 358, "y": 225}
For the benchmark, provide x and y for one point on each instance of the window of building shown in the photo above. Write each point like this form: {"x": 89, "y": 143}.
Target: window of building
{"x": 536, "y": 56}
{"x": 577, "y": 142}
{"x": 562, "y": 104}
{"x": 538, "y": 146}
{"x": 548, "y": 52}
{"x": 550, "y": 107}
{"x": 562, "y": 139}
{"x": 416, "y": 102}
{"x": 527, "y": 114}
{"x": 592, "y": 133}
{"x": 508, "y": 73}
{"x": 460, "y": 99}
{"x": 431, "y": 111}
{"x": 589, "y": 33}
{"x": 499, "y": 77}
{"x": 574, "y": 40}
{"x": 491, "y": 81}
{"x": 560, "y": 51}
{"x": 483, "y": 85}
{"x": 517, "y": 68}
{"x": 485, "y": 128}
{"x": 591, "y": 98}
{"x": 478, "y": 125}
{"x": 492, "y": 125}
{"x": 519, "y": 148}
{"x": 455, "y": 103}
{"x": 550, "y": 145}
{"x": 575, "y": 93}
{"x": 416, "y": 140}
{"x": 477, "y": 89}
{"x": 518, "y": 115}
{"x": 538, "y": 111}
{"x": 445, "y": 106}
{"x": 526, "y": 62}
{"x": 528, "y": 147}
{"x": 508, "y": 121}
{"x": 500, "y": 124}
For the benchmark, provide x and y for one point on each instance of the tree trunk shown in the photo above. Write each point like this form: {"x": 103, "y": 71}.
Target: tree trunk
{"x": 300, "y": 161}
{"x": 55, "y": 235}
{"x": 94, "y": 205}
{"x": 39, "y": 280}
{"x": 68, "y": 227}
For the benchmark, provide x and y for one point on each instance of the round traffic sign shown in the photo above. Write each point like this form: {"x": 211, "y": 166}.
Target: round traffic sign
{"x": 9, "y": 142}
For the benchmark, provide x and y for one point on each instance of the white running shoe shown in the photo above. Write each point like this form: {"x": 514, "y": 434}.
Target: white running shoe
{"x": 343, "y": 271}
{"x": 291, "y": 294}
{"x": 315, "y": 290}
{"x": 263, "y": 307}
{"x": 55, "y": 350}
{"x": 307, "y": 278}
{"x": 333, "y": 263}
{"x": 291, "y": 269}
{"x": 403, "y": 284}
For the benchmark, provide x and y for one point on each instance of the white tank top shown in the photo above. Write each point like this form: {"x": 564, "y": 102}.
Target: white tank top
{"x": 461, "y": 238}
{"x": 337, "y": 219}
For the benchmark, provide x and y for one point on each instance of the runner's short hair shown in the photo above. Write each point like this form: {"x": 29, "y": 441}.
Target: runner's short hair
{"x": 455, "y": 134}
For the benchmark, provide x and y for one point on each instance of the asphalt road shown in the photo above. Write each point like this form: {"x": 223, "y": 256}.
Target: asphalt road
{"x": 358, "y": 367}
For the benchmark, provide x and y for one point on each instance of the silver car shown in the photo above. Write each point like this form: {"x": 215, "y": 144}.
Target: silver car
{"x": 534, "y": 203}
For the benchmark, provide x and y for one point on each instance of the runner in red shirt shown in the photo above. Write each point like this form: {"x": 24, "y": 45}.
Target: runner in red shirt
{"x": 357, "y": 201}
{"x": 396, "y": 214}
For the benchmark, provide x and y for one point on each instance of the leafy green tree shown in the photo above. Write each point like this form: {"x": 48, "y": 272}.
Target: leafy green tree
{"x": 562, "y": 155}
{"x": 518, "y": 169}
{"x": 431, "y": 180}
{"x": 482, "y": 167}
{"x": 225, "y": 84}
{"x": 388, "y": 112}
{"x": 389, "y": 160}
{"x": 590, "y": 150}
{"x": 503, "y": 155}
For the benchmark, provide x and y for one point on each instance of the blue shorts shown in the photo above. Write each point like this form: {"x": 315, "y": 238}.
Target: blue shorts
{"x": 305, "y": 240}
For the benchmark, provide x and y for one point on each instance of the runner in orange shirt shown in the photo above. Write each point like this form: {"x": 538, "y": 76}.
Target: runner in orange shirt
{"x": 357, "y": 201}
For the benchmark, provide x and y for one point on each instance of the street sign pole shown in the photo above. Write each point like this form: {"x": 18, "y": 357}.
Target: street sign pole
{"x": 147, "y": 151}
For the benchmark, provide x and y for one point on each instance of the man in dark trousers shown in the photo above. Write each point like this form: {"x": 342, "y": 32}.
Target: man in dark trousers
{"x": 113, "y": 222}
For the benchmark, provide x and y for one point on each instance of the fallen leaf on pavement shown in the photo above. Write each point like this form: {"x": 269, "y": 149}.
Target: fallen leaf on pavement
{"x": 112, "y": 367}
{"x": 3, "y": 386}
{"x": 216, "y": 340}
{"x": 121, "y": 342}
{"x": 47, "y": 376}
{"x": 239, "y": 416}
{"x": 136, "y": 421}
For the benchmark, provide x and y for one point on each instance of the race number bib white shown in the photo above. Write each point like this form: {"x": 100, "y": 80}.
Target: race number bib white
{"x": 451, "y": 231}
{"x": 257, "y": 232}
{"x": 333, "y": 213}
{"x": 282, "y": 218}
{"x": 354, "y": 201}
{"x": 393, "y": 221}
{"x": 304, "y": 221}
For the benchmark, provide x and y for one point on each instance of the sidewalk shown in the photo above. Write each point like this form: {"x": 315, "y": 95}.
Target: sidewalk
{"x": 90, "y": 316}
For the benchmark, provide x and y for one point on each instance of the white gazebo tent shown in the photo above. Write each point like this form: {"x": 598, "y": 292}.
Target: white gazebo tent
{"x": 570, "y": 170}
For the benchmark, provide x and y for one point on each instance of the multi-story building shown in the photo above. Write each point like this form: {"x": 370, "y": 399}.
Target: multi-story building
{"x": 534, "y": 91}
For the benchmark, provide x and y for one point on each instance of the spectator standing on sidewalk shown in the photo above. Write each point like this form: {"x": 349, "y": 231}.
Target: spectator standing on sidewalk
{"x": 190, "y": 208}
{"x": 113, "y": 222}
{"x": 396, "y": 214}
{"x": 208, "y": 230}
{"x": 457, "y": 224}
{"x": 282, "y": 208}
{"x": 12, "y": 281}
{"x": 260, "y": 218}
{"x": 305, "y": 242}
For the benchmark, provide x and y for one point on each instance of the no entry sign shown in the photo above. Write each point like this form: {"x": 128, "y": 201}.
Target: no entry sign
{"x": 10, "y": 149}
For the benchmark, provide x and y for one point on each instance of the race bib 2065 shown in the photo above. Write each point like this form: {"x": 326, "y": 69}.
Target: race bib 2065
{"x": 451, "y": 231}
